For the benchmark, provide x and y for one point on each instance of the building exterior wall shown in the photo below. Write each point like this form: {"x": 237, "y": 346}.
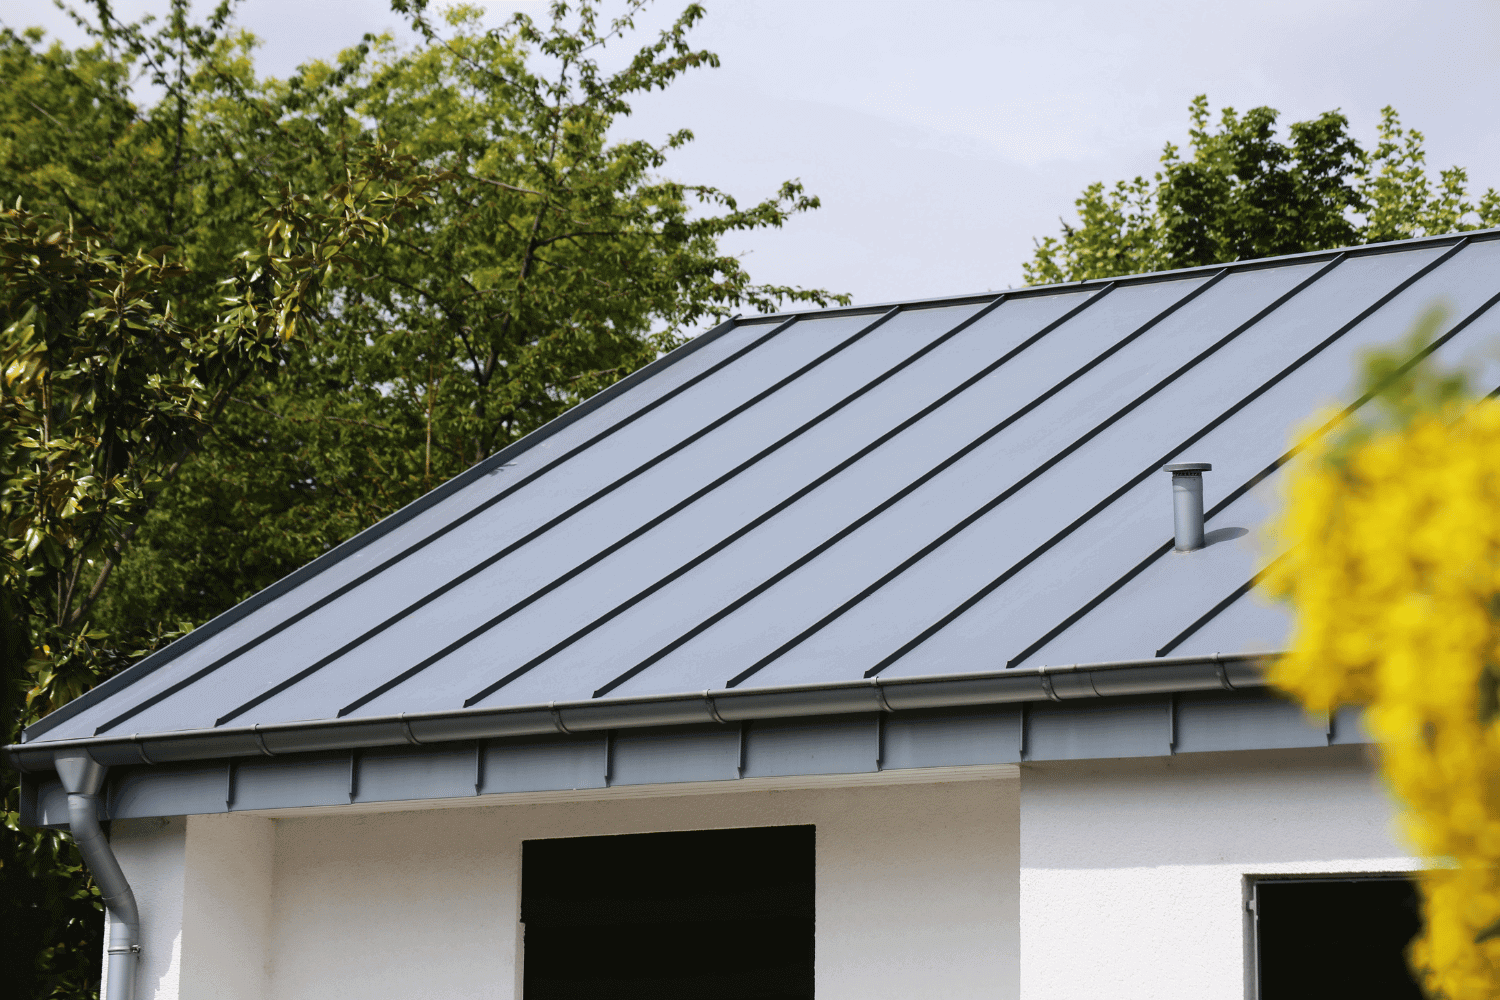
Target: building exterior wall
{"x": 1133, "y": 872}
{"x": 152, "y": 853}
{"x": 226, "y": 907}
{"x": 1120, "y": 878}
{"x": 917, "y": 892}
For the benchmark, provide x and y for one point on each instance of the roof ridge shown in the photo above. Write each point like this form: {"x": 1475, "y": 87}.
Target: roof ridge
{"x": 1146, "y": 277}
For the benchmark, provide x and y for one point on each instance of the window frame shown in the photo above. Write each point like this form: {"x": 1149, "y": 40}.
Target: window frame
{"x": 1251, "y": 908}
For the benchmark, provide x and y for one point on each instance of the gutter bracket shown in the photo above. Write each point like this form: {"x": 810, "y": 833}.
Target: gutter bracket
{"x": 1223, "y": 674}
{"x": 1046, "y": 680}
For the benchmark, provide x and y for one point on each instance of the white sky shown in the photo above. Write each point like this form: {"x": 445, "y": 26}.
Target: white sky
{"x": 943, "y": 136}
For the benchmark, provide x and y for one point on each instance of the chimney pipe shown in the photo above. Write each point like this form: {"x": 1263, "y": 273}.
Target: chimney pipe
{"x": 1187, "y": 503}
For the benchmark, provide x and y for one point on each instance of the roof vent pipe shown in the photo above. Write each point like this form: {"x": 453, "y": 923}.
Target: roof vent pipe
{"x": 82, "y": 777}
{"x": 1187, "y": 503}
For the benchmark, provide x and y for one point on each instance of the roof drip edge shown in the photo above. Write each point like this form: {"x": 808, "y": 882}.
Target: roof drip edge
{"x": 1121, "y": 678}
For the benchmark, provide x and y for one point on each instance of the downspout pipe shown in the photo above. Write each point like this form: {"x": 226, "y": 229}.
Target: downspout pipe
{"x": 82, "y": 778}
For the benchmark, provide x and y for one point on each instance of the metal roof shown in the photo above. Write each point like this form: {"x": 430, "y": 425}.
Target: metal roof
{"x": 935, "y": 488}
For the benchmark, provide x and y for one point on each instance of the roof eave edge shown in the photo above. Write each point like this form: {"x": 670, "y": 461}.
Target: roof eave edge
{"x": 1120, "y": 678}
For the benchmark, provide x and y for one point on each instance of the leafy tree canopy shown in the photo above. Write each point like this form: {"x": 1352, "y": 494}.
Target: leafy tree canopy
{"x": 554, "y": 262}
{"x": 242, "y": 318}
{"x": 1242, "y": 192}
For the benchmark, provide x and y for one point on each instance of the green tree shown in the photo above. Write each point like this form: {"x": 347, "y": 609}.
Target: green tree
{"x": 1243, "y": 193}
{"x": 164, "y": 456}
{"x": 555, "y": 262}
{"x": 105, "y": 394}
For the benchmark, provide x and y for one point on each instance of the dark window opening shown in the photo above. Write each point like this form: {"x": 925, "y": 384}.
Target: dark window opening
{"x": 721, "y": 914}
{"x": 1318, "y": 938}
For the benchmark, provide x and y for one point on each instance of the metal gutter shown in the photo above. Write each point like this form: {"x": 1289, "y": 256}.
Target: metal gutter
{"x": 878, "y": 694}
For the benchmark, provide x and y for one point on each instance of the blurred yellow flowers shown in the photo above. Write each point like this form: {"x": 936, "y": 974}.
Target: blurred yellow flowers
{"x": 1391, "y": 529}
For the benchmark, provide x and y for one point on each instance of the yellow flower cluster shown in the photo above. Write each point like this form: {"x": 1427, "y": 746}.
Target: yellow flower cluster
{"x": 1392, "y": 566}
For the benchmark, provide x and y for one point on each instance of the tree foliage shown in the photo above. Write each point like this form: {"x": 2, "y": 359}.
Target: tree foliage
{"x": 1392, "y": 565}
{"x": 251, "y": 316}
{"x": 555, "y": 261}
{"x": 105, "y": 394}
{"x": 1242, "y": 192}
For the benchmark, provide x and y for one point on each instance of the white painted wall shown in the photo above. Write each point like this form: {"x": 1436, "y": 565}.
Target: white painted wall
{"x": 226, "y": 911}
{"x": 203, "y": 886}
{"x": 152, "y": 854}
{"x": 917, "y": 892}
{"x": 1132, "y": 872}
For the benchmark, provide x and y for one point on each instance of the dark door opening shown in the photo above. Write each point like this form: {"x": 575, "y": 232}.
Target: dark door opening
{"x": 1318, "y": 938}
{"x": 721, "y": 914}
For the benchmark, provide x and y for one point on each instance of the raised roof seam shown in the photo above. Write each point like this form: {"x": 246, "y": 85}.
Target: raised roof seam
{"x": 744, "y": 529}
{"x": 1245, "y": 401}
{"x": 1088, "y": 515}
{"x": 824, "y": 478}
{"x": 603, "y": 553}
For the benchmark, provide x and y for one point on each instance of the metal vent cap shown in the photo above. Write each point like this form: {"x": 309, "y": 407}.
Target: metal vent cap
{"x": 1187, "y": 503}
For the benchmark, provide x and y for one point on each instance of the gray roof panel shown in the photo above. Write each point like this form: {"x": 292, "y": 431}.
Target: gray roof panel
{"x": 781, "y": 476}
{"x": 935, "y": 488}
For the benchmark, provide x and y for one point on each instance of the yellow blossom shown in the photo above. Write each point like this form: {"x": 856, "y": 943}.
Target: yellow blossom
{"x": 1392, "y": 566}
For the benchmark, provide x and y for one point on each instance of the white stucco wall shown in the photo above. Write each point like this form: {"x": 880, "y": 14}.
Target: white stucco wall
{"x": 1132, "y": 872}
{"x": 226, "y": 911}
{"x": 1114, "y": 878}
{"x": 152, "y": 854}
{"x": 917, "y": 892}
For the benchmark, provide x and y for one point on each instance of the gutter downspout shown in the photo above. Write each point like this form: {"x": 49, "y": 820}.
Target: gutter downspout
{"x": 82, "y": 777}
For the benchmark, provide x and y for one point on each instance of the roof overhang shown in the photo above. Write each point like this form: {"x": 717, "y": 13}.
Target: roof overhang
{"x": 878, "y": 694}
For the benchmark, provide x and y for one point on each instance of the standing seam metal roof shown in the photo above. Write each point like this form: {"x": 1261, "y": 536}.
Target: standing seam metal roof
{"x": 919, "y": 489}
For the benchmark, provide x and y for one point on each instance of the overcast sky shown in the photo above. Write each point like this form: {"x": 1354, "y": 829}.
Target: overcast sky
{"x": 944, "y": 136}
